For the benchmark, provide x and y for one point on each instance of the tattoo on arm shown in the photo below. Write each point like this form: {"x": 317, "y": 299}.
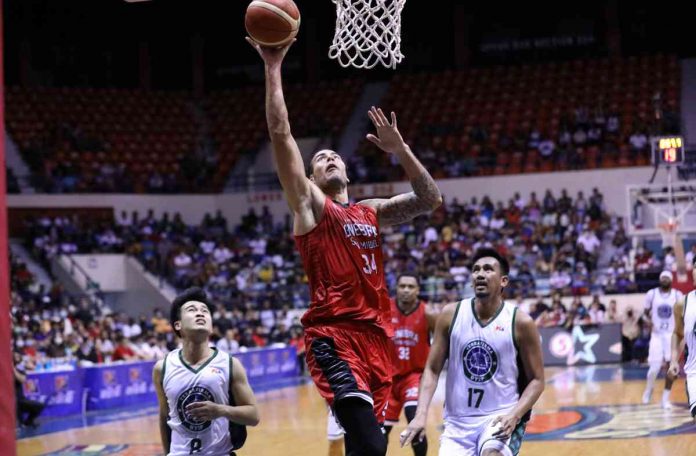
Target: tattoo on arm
{"x": 402, "y": 208}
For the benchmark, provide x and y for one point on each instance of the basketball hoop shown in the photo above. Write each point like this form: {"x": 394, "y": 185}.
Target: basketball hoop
{"x": 668, "y": 231}
{"x": 368, "y": 32}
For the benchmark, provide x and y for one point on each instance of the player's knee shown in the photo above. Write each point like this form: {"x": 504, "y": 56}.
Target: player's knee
{"x": 491, "y": 452}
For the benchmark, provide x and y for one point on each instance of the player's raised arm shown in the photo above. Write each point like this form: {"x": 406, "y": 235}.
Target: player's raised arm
{"x": 425, "y": 195}
{"x": 298, "y": 189}
{"x": 436, "y": 360}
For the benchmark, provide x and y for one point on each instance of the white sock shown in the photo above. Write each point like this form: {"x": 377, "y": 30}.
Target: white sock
{"x": 665, "y": 395}
{"x": 652, "y": 375}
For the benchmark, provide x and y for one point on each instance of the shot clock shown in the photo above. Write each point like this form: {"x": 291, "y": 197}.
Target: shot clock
{"x": 667, "y": 150}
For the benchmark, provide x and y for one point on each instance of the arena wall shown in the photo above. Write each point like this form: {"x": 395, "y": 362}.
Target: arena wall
{"x": 611, "y": 182}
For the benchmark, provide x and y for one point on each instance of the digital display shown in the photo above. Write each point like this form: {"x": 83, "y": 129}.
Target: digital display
{"x": 668, "y": 150}
{"x": 669, "y": 155}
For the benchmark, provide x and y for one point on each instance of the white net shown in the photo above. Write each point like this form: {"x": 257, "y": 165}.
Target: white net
{"x": 368, "y": 32}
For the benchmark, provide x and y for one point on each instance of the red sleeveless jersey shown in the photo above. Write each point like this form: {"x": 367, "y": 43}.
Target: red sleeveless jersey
{"x": 342, "y": 257}
{"x": 411, "y": 339}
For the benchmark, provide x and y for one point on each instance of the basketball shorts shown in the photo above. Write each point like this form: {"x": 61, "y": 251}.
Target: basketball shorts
{"x": 691, "y": 392}
{"x": 469, "y": 436}
{"x": 660, "y": 350}
{"x": 334, "y": 431}
{"x": 351, "y": 362}
{"x": 404, "y": 393}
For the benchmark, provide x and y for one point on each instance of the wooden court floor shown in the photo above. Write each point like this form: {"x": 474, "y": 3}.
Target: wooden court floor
{"x": 584, "y": 411}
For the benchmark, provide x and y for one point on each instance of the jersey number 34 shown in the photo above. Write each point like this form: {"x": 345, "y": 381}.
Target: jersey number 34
{"x": 370, "y": 265}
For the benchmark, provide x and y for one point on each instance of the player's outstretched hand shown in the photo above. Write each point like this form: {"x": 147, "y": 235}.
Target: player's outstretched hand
{"x": 506, "y": 426}
{"x": 272, "y": 56}
{"x": 388, "y": 137}
{"x": 414, "y": 430}
{"x": 204, "y": 410}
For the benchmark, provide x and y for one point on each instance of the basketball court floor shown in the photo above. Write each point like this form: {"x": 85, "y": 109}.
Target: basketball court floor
{"x": 592, "y": 410}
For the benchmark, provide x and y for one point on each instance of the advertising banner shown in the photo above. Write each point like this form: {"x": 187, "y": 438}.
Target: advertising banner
{"x": 61, "y": 391}
{"x": 111, "y": 386}
{"x": 581, "y": 346}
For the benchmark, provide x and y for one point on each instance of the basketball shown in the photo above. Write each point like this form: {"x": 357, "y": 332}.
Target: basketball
{"x": 272, "y": 22}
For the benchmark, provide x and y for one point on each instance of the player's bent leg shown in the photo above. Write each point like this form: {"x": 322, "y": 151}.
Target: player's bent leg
{"x": 420, "y": 448}
{"x": 650, "y": 380}
{"x": 503, "y": 450}
{"x": 460, "y": 437}
{"x": 364, "y": 436}
{"x": 489, "y": 445}
{"x": 453, "y": 447}
{"x": 491, "y": 452}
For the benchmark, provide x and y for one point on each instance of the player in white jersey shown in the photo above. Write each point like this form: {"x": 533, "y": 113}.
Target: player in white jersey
{"x": 685, "y": 328}
{"x": 205, "y": 400}
{"x": 495, "y": 372}
{"x": 659, "y": 311}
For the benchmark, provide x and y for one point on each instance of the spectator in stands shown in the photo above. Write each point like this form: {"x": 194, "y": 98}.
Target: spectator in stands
{"x": 690, "y": 255}
{"x": 229, "y": 343}
{"x": 27, "y": 410}
{"x": 142, "y": 348}
{"x": 88, "y": 352}
{"x": 260, "y": 336}
{"x": 123, "y": 351}
{"x": 612, "y": 315}
{"x": 297, "y": 341}
{"x": 596, "y": 314}
{"x": 670, "y": 260}
{"x": 538, "y": 308}
{"x": 279, "y": 335}
{"x": 555, "y": 317}
{"x": 547, "y": 148}
{"x": 105, "y": 346}
{"x": 560, "y": 280}
{"x": 577, "y": 315}
{"x": 160, "y": 323}
{"x": 589, "y": 247}
{"x": 638, "y": 141}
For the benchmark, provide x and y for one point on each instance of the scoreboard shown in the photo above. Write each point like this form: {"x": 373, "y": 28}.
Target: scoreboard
{"x": 667, "y": 150}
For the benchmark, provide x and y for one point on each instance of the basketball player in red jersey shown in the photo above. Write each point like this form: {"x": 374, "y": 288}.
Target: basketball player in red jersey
{"x": 348, "y": 325}
{"x": 413, "y": 323}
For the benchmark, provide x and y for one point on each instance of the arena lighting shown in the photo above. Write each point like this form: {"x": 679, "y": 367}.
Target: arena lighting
{"x": 136, "y": 1}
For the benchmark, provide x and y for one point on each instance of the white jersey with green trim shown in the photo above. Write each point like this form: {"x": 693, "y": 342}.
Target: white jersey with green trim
{"x": 690, "y": 332}
{"x": 184, "y": 385}
{"x": 483, "y": 373}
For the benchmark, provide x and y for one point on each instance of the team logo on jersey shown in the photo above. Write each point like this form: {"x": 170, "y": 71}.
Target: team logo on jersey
{"x": 664, "y": 311}
{"x": 191, "y": 395}
{"x": 480, "y": 361}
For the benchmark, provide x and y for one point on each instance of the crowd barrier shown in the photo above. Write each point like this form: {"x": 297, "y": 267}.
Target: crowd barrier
{"x": 73, "y": 390}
